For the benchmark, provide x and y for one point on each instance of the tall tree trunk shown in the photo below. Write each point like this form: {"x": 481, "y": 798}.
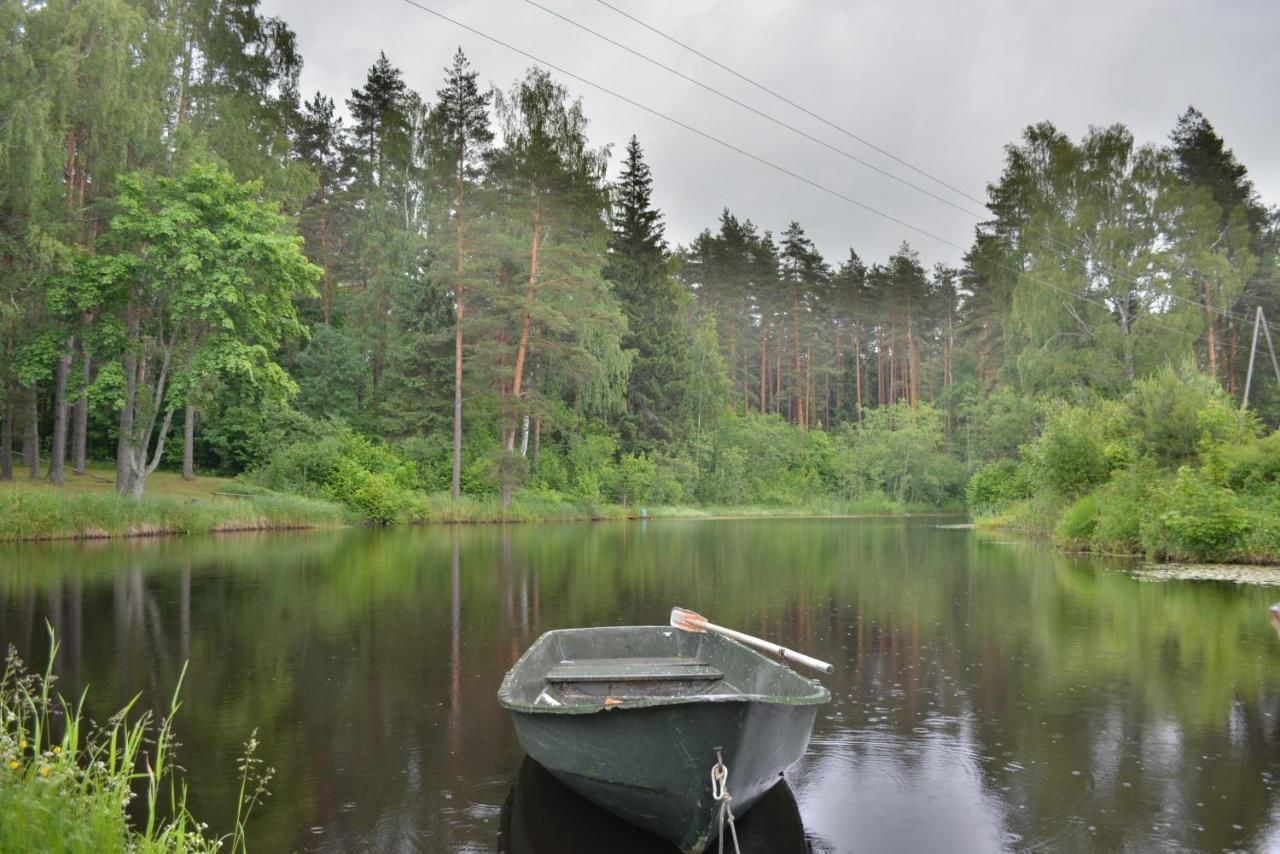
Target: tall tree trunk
{"x": 6, "y": 432}
{"x": 31, "y": 437}
{"x": 189, "y": 443}
{"x": 777, "y": 372}
{"x": 326, "y": 282}
{"x": 124, "y": 443}
{"x": 522, "y": 349}
{"x": 455, "y": 484}
{"x": 913, "y": 363}
{"x": 880, "y": 366}
{"x": 61, "y": 411}
{"x": 764, "y": 365}
{"x": 838, "y": 370}
{"x": 80, "y": 414}
{"x": 1233, "y": 356}
{"x": 857, "y": 377}
{"x": 1212, "y": 343}
{"x": 537, "y": 440}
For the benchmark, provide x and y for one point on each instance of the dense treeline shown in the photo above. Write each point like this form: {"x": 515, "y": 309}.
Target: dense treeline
{"x": 437, "y": 289}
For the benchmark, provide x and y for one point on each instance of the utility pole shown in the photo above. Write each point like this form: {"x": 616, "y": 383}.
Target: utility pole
{"x": 1259, "y": 325}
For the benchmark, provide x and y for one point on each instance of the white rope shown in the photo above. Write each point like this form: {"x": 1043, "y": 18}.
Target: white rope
{"x": 720, "y": 792}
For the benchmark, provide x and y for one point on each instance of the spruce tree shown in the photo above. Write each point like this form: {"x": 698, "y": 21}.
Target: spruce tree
{"x": 656, "y": 307}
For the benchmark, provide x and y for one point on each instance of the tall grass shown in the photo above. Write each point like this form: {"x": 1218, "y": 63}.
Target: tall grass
{"x": 42, "y": 513}
{"x": 66, "y": 786}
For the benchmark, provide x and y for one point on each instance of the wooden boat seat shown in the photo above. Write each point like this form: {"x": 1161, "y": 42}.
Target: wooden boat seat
{"x": 633, "y": 670}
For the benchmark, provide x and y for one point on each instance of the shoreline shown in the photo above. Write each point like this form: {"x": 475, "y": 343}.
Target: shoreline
{"x": 1145, "y": 561}
{"x": 39, "y": 514}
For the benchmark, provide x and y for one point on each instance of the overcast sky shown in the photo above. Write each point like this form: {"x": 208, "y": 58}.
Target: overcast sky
{"x": 941, "y": 85}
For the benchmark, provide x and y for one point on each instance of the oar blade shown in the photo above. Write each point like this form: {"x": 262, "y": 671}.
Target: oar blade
{"x": 689, "y": 621}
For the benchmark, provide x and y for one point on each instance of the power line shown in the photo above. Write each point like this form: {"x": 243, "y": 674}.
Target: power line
{"x": 761, "y": 160}
{"x": 784, "y": 99}
{"x": 1063, "y": 251}
{"x": 777, "y": 121}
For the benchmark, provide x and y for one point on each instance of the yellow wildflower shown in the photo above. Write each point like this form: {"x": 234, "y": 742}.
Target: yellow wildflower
{"x": 14, "y": 764}
{"x": 45, "y": 771}
{"x": 22, "y": 745}
{"x": 57, "y": 750}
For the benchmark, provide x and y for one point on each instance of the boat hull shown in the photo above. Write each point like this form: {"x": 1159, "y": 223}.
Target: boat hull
{"x": 652, "y": 766}
{"x": 543, "y": 816}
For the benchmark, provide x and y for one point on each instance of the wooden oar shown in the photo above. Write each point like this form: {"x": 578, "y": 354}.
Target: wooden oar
{"x": 691, "y": 621}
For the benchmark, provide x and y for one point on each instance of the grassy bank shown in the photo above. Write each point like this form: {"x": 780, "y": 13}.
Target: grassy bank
{"x": 67, "y": 784}
{"x": 87, "y": 507}
{"x": 1160, "y": 520}
{"x": 440, "y": 507}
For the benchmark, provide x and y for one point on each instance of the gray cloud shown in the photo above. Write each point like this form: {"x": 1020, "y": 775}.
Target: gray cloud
{"x": 942, "y": 85}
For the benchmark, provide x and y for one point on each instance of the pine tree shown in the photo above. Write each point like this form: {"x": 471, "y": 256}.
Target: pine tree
{"x": 656, "y": 307}
{"x": 461, "y": 120}
{"x": 1222, "y": 240}
{"x": 553, "y": 200}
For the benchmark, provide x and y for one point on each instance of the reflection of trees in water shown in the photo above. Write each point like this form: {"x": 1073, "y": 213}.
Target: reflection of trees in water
{"x": 369, "y": 660}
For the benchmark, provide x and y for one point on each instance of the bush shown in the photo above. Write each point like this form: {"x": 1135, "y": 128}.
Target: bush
{"x": 634, "y": 480}
{"x": 1079, "y": 523}
{"x": 995, "y": 486}
{"x": 1173, "y": 413}
{"x": 1250, "y": 466}
{"x": 1196, "y": 519}
{"x": 376, "y": 497}
{"x": 1076, "y": 450}
{"x": 1123, "y": 505}
{"x": 366, "y": 476}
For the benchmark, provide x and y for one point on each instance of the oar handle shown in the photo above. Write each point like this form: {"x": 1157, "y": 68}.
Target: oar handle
{"x": 782, "y": 652}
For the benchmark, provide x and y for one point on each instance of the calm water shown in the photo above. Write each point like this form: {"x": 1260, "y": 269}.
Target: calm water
{"x": 988, "y": 696}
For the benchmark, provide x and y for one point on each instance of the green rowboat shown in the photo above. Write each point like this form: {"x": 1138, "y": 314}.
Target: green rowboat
{"x": 632, "y": 718}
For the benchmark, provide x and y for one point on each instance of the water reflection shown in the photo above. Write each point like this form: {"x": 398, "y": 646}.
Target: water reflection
{"x": 543, "y": 816}
{"x": 986, "y": 697}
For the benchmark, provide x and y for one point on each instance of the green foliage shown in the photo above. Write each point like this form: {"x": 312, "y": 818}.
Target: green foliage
{"x": 995, "y": 486}
{"x": 374, "y": 495}
{"x": 1251, "y": 466}
{"x": 67, "y": 785}
{"x": 900, "y": 451}
{"x": 998, "y": 424}
{"x": 367, "y": 476}
{"x": 1076, "y": 450}
{"x": 1079, "y": 522}
{"x": 1195, "y": 520}
{"x": 1124, "y": 505}
{"x": 635, "y": 480}
{"x": 1177, "y": 411}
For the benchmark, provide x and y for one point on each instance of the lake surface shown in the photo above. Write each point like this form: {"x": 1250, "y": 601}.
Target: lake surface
{"x": 988, "y": 696}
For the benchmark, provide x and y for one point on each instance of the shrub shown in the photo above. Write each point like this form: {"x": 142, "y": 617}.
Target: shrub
{"x": 1249, "y": 466}
{"x": 376, "y": 497}
{"x": 344, "y": 466}
{"x": 1124, "y": 504}
{"x": 1076, "y": 450}
{"x": 1171, "y": 411}
{"x": 1195, "y": 519}
{"x": 634, "y": 480}
{"x": 1079, "y": 523}
{"x": 995, "y": 486}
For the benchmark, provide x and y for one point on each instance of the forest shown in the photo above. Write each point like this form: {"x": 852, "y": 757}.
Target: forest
{"x": 429, "y": 294}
